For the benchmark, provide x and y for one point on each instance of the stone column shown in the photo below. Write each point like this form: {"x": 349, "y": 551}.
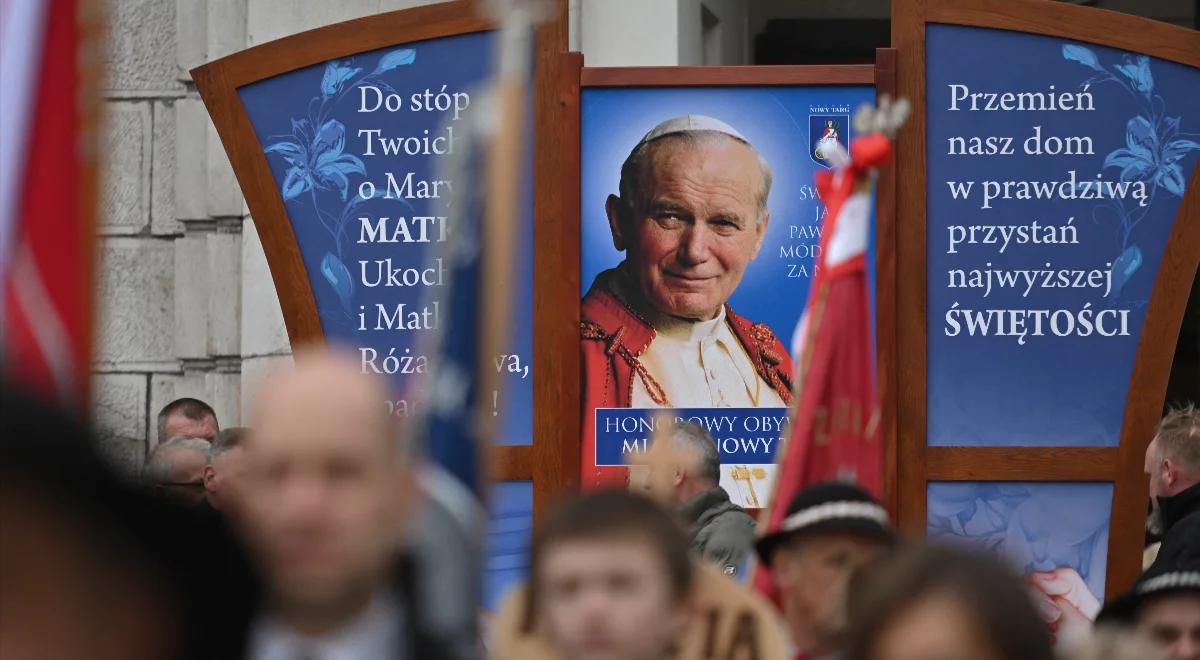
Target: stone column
{"x": 135, "y": 301}
{"x": 169, "y": 296}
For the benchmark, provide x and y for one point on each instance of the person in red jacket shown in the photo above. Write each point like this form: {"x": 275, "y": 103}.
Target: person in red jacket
{"x": 657, "y": 330}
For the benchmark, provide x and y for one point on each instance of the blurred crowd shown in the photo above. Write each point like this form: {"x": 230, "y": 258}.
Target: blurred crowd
{"x": 319, "y": 533}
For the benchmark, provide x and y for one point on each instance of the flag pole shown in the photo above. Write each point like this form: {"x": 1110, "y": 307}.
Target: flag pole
{"x": 504, "y": 187}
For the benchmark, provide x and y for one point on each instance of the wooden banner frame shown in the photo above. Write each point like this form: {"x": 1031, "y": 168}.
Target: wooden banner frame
{"x": 543, "y": 461}
{"x": 918, "y": 463}
{"x": 882, "y": 75}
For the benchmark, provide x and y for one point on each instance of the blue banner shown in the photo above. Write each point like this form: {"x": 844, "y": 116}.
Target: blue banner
{"x": 358, "y": 148}
{"x": 698, "y": 369}
{"x": 742, "y": 435}
{"x": 1055, "y": 172}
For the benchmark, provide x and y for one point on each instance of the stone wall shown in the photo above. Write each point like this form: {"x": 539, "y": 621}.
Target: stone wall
{"x": 185, "y": 303}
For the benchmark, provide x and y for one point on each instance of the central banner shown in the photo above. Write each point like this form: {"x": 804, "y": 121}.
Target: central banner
{"x": 700, "y": 224}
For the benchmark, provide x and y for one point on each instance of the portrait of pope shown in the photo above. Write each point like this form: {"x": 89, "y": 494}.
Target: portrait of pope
{"x": 657, "y": 330}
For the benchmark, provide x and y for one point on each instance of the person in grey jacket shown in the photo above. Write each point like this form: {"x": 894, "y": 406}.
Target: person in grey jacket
{"x": 721, "y": 532}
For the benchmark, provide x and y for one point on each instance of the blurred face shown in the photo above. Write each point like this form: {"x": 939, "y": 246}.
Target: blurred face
{"x": 638, "y": 479}
{"x": 695, "y": 229}
{"x": 933, "y": 628}
{"x": 813, "y": 575}
{"x": 224, "y": 479}
{"x": 1173, "y": 623}
{"x": 681, "y": 486}
{"x": 608, "y": 599}
{"x": 180, "y": 426}
{"x": 1156, "y": 472}
{"x": 187, "y": 477}
{"x": 95, "y": 610}
{"x": 324, "y": 493}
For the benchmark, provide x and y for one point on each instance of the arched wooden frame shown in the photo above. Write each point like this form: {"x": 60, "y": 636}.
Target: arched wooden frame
{"x": 883, "y": 76}
{"x": 555, "y": 344}
{"x": 919, "y": 463}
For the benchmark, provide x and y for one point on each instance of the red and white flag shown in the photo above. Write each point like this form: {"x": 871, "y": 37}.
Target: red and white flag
{"x": 834, "y": 433}
{"x": 47, "y": 193}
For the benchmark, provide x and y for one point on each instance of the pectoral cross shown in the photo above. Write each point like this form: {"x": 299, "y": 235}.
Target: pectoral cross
{"x": 748, "y": 475}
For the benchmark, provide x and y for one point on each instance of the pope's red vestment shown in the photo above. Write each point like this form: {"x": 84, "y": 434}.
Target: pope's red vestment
{"x": 612, "y": 339}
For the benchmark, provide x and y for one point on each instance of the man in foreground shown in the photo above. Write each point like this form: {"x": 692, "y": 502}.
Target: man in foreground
{"x": 328, "y": 493}
{"x": 610, "y": 578}
{"x": 832, "y": 531}
{"x": 91, "y": 567}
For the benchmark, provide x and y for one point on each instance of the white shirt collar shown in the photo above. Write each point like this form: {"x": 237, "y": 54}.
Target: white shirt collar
{"x": 376, "y": 632}
{"x": 679, "y": 329}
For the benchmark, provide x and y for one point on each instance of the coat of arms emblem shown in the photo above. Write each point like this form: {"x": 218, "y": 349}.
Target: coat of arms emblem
{"x": 823, "y": 132}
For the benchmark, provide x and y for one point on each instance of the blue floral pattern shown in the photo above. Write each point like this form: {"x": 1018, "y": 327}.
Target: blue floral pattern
{"x": 317, "y": 161}
{"x": 1153, "y": 151}
{"x": 319, "y": 166}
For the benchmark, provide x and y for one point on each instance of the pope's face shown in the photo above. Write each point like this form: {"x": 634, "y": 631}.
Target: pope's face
{"x": 695, "y": 227}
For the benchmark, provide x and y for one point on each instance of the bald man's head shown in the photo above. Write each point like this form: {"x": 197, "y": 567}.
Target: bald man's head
{"x": 323, "y": 393}
{"x": 327, "y": 485}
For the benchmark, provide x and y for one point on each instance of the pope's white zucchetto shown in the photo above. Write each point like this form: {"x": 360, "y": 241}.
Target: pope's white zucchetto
{"x": 689, "y": 124}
